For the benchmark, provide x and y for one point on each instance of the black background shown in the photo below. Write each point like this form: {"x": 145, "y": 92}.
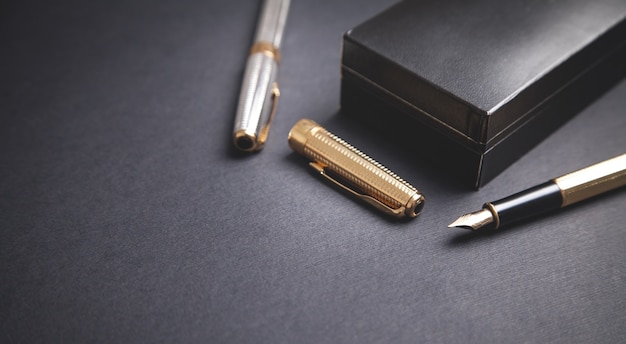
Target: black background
{"x": 127, "y": 216}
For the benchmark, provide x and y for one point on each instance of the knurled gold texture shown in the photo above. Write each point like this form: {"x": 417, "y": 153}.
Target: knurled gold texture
{"x": 368, "y": 176}
{"x": 592, "y": 180}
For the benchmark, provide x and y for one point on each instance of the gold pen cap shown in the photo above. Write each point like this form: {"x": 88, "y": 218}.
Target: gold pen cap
{"x": 354, "y": 171}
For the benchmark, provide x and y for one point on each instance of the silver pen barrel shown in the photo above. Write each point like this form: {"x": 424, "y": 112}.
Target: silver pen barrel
{"x": 259, "y": 91}
{"x": 272, "y": 22}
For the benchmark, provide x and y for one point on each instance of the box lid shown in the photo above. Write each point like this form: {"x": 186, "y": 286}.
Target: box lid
{"x": 480, "y": 67}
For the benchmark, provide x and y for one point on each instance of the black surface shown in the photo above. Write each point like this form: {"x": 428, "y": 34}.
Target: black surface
{"x": 127, "y": 216}
{"x": 533, "y": 201}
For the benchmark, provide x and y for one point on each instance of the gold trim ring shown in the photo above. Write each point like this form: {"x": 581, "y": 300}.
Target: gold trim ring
{"x": 494, "y": 212}
{"x": 266, "y": 48}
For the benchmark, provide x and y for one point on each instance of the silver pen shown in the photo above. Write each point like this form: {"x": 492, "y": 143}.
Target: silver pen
{"x": 259, "y": 92}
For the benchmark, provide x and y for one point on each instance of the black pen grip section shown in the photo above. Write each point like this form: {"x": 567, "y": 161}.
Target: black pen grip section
{"x": 533, "y": 201}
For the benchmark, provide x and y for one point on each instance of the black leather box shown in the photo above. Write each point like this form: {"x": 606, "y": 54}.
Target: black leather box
{"x": 474, "y": 85}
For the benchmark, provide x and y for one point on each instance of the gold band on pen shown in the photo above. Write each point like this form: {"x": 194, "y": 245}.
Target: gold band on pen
{"x": 266, "y": 48}
{"x": 495, "y": 218}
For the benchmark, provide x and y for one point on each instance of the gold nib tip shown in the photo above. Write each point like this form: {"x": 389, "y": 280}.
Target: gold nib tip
{"x": 461, "y": 222}
{"x": 473, "y": 221}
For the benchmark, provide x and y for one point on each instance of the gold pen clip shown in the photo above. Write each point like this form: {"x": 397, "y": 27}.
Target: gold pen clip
{"x": 263, "y": 133}
{"x": 367, "y": 198}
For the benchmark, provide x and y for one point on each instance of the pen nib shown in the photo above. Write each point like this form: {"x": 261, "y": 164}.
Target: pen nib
{"x": 473, "y": 221}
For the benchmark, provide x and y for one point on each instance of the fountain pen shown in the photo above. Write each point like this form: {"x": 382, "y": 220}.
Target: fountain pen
{"x": 551, "y": 195}
{"x": 259, "y": 91}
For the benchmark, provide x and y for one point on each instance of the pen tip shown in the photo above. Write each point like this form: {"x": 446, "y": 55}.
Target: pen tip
{"x": 461, "y": 222}
{"x": 473, "y": 221}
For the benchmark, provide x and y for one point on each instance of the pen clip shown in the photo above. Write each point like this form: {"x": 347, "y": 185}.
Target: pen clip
{"x": 369, "y": 199}
{"x": 263, "y": 133}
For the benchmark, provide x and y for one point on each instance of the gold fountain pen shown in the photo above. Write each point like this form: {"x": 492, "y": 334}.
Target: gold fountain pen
{"x": 554, "y": 194}
{"x": 354, "y": 171}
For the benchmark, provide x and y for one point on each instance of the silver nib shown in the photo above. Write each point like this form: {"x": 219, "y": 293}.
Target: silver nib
{"x": 473, "y": 221}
